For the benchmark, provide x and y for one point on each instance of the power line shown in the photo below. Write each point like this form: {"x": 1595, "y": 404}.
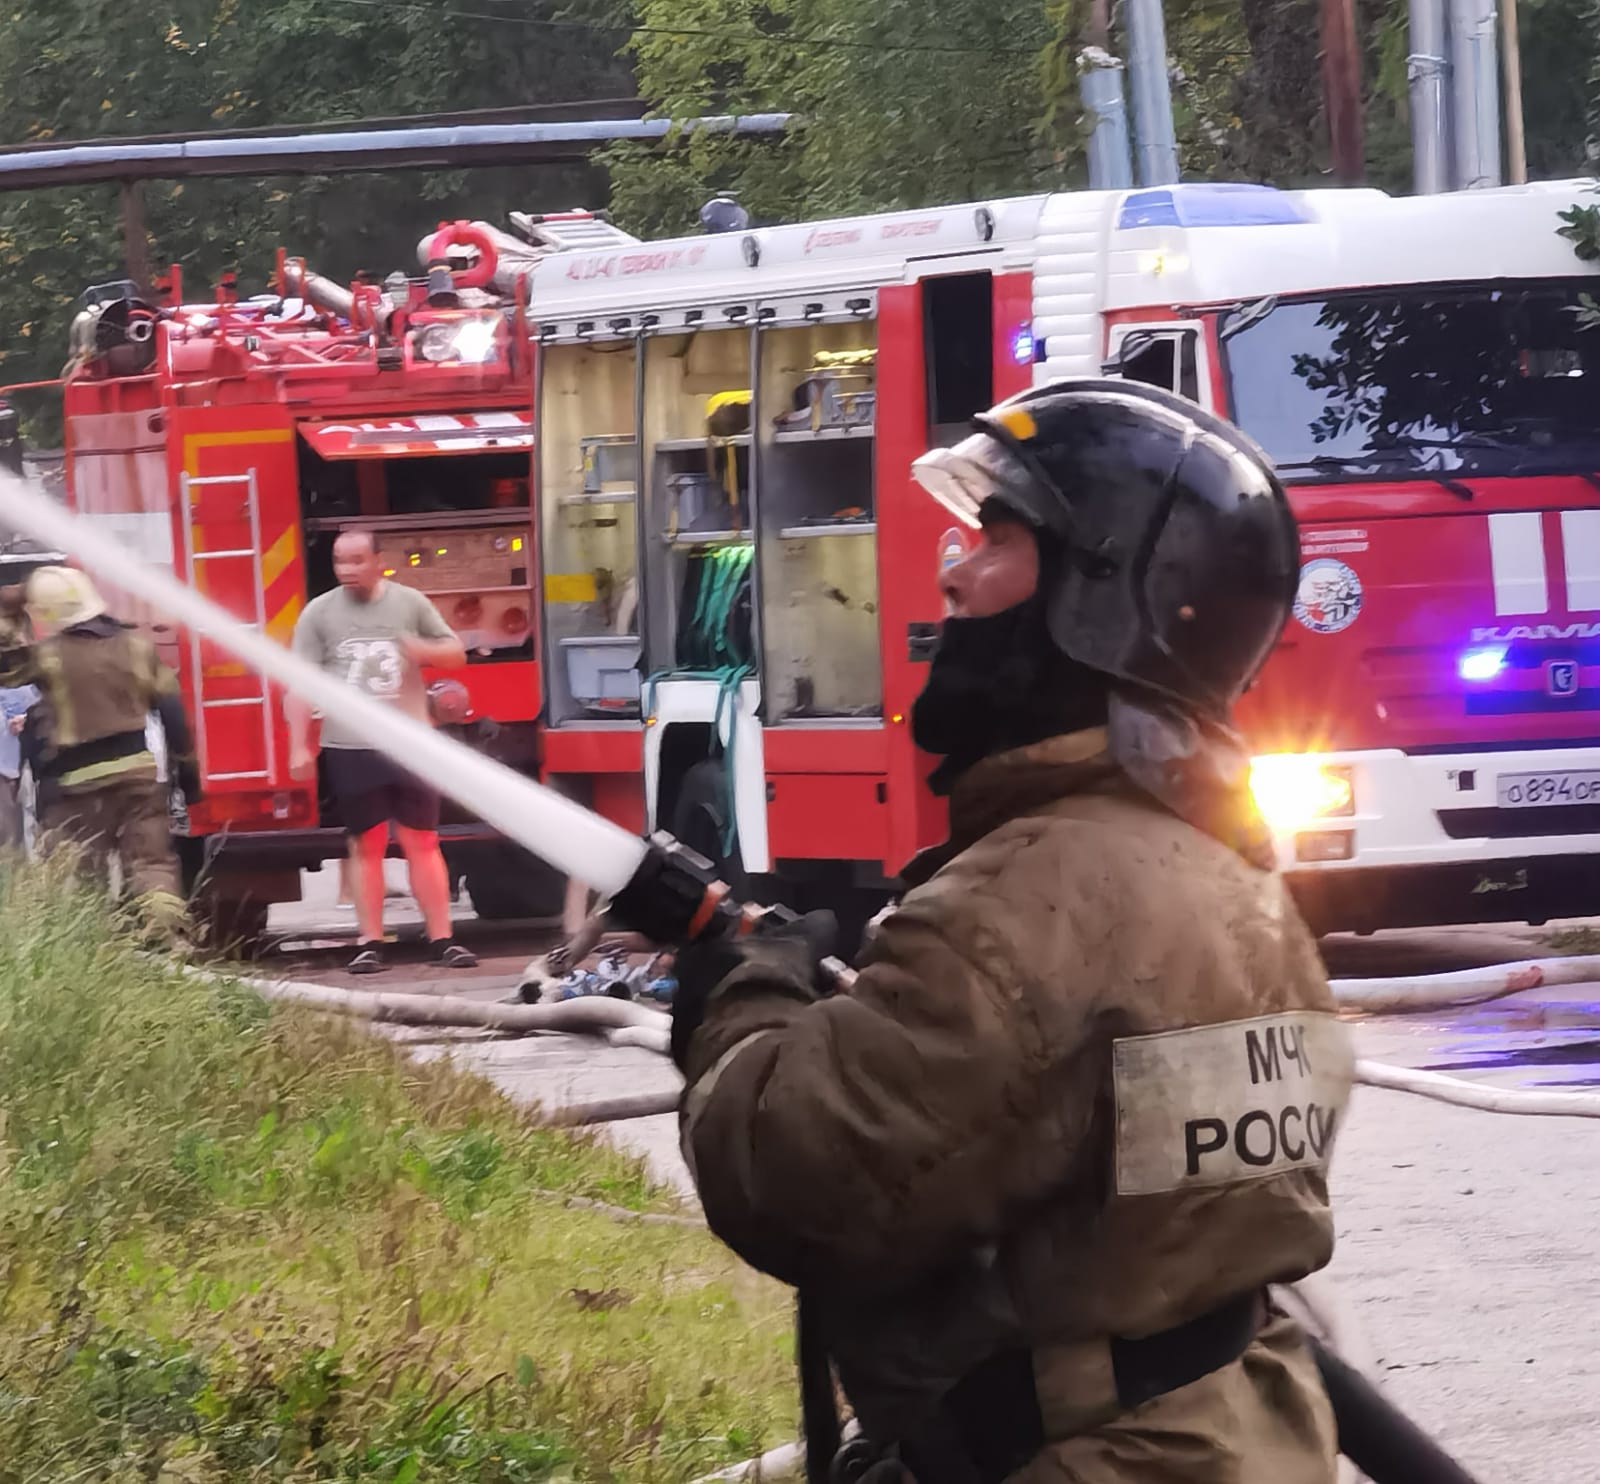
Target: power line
{"x": 836, "y": 43}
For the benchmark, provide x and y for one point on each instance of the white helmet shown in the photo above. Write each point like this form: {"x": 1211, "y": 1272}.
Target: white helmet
{"x": 59, "y": 597}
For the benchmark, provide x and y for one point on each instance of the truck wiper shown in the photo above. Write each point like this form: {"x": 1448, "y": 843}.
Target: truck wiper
{"x": 1328, "y": 463}
{"x": 1243, "y": 316}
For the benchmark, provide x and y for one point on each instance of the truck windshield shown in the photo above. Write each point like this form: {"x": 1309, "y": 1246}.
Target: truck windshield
{"x": 1423, "y": 381}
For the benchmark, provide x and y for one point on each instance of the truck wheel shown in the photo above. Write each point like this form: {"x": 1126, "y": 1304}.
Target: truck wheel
{"x": 234, "y": 926}
{"x": 698, "y": 819}
{"x": 506, "y": 882}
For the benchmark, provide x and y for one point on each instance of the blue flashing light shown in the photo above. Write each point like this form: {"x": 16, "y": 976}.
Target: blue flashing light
{"x": 1022, "y": 346}
{"x": 1210, "y": 205}
{"x": 1481, "y": 664}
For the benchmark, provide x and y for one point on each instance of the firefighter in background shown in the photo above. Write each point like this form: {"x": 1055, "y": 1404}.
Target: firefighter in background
{"x": 1034, "y": 1173}
{"x": 99, "y": 681}
{"x": 16, "y": 633}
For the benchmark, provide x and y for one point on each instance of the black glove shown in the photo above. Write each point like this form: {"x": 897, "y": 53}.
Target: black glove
{"x": 792, "y": 951}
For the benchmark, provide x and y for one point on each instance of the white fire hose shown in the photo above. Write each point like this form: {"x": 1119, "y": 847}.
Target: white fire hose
{"x": 624, "y": 1023}
{"x": 1463, "y": 987}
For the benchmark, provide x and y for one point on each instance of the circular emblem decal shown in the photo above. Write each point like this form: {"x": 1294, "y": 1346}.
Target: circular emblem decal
{"x": 1329, "y": 596}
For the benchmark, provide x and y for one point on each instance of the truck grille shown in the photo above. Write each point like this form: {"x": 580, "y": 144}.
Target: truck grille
{"x": 1521, "y": 702}
{"x": 1505, "y": 824}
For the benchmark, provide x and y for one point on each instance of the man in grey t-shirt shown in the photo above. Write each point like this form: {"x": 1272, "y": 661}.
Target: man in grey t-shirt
{"x": 377, "y": 635}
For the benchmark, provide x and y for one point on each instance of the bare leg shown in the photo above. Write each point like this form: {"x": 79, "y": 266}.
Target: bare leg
{"x": 366, "y": 873}
{"x": 430, "y": 880}
{"x": 575, "y": 908}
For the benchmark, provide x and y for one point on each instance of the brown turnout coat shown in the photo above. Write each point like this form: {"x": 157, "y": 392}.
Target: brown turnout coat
{"x": 947, "y": 1163}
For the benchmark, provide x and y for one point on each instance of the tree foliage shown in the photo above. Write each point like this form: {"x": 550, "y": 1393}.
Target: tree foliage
{"x": 906, "y": 104}
{"x": 903, "y": 104}
{"x": 84, "y": 69}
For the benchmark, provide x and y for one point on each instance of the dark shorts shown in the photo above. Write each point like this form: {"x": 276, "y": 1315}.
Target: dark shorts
{"x": 371, "y": 790}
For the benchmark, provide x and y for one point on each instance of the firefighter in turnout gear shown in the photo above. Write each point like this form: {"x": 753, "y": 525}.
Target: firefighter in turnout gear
{"x": 1034, "y": 1172}
{"x": 99, "y": 682}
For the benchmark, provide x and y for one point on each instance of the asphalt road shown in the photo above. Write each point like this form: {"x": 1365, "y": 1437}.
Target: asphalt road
{"x": 1467, "y": 1241}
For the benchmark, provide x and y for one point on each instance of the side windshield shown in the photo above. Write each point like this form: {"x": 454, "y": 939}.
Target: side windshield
{"x": 1422, "y": 381}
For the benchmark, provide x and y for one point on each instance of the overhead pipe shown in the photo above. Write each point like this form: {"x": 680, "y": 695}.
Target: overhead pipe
{"x": 1110, "y": 152}
{"x": 1156, "y": 143}
{"x": 331, "y": 152}
{"x": 1426, "y": 67}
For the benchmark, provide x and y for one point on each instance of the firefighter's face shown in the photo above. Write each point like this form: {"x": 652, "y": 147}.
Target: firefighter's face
{"x": 1000, "y": 570}
{"x": 356, "y": 563}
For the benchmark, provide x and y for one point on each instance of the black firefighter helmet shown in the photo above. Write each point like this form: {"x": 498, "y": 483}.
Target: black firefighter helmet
{"x": 1173, "y": 553}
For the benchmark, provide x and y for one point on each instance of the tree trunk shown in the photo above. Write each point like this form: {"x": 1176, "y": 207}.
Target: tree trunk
{"x": 1341, "y": 91}
{"x": 1279, "y": 95}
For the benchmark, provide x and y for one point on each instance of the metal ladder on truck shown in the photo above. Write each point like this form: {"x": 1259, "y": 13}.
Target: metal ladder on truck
{"x": 570, "y": 231}
{"x": 196, "y": 555}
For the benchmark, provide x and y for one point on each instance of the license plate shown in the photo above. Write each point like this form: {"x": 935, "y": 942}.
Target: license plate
{"x": 1543, "y": 790}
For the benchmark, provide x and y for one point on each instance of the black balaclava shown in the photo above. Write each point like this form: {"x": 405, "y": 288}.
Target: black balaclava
{"x": 999, "y": 682}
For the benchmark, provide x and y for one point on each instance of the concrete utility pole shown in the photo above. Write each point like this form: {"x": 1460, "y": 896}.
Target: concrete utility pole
{"x": 1100, "y": 87}
{"x": 1475, "y": 93}
{"x": 1430, "y": 121}
{"x": 1152, "y": 97}
{"x": 1341, "y": 91}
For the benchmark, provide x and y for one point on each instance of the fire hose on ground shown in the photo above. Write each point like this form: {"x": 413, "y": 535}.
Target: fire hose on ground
{"x": 1462, "y": 987}
{"x": 623, "y": 1023}
{"x": 618, "y": 1022}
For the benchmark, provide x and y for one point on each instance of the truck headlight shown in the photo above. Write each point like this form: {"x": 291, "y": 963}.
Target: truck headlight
{"x": 1292, "y": 789}
{"x": 470, "y": 341}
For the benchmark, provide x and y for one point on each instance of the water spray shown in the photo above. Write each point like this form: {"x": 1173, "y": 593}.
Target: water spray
{"x": 657, "y": 887}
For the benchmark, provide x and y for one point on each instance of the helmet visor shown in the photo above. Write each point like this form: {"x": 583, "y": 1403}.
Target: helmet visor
{"x": 978, "y": 469}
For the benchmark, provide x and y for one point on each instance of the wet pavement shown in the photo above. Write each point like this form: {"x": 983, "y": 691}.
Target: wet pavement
{"x": 1469, "y": 1241}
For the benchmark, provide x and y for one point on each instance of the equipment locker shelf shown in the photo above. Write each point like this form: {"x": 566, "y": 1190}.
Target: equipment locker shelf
{"x": 823, "y": 435}
{"x": 589, "y": 471}
{"x": 818, "y": 546}
{"x": 700, "y": 444}
{"x": 697, "y": 498}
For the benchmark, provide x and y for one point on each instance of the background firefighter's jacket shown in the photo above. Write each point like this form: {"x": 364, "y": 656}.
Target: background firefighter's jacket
{"x": 929, "y": 1156}
{"x": 100, "y": 681}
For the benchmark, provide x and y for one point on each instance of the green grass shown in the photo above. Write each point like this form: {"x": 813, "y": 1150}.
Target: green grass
{"x": 249, "y": 1244}
{"x": 1582, "y": 939}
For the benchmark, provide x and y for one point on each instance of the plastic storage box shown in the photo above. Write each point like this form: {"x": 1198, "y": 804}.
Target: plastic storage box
{"x": 603, "y": 670}
{"x": 609, "y": 462}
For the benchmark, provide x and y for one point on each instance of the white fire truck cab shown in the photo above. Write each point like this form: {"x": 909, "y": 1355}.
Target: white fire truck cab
{"x": 740, "y": 580}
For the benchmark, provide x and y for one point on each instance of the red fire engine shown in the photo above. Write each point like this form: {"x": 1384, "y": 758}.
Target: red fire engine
{"x": 232, "y": 440}
{"x": 739, "y": 578}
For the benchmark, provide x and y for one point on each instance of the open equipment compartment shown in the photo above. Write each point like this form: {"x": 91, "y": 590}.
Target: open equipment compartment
{"x": 698, "y": 512}
{"x": 589, "y": 478}
{"x": 819, "y": 548}
{"x": 452, "y": 524}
